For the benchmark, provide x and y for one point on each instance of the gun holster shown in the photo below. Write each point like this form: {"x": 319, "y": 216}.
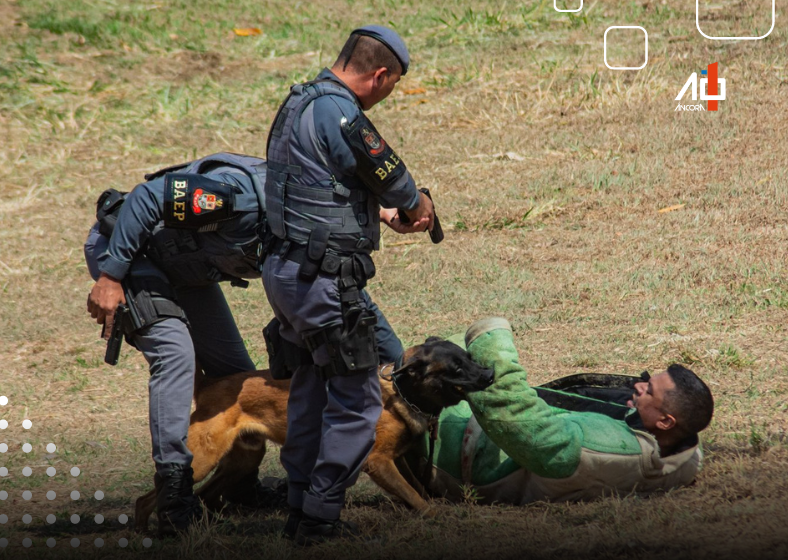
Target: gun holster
{"x": 284, "y": 357}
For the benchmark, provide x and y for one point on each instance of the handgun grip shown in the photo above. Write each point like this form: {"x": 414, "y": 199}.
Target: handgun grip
{"x": 436, "y": 234}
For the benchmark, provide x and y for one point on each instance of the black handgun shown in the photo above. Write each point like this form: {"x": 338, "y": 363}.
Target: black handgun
{"x": 116, "y": 336}
{"x": 436, "y": 235}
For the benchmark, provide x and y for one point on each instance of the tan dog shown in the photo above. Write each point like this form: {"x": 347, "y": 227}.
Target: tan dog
{"x": 235, "y": 415}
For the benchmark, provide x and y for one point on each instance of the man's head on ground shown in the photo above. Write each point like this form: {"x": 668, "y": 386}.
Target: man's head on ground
{"x": 674, "y": 404}
{"x": 371, "y": 63}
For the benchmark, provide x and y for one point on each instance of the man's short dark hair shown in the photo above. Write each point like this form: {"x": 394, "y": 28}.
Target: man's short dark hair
{"x": 690, "y": 402}
{"x": 363, "y": 54}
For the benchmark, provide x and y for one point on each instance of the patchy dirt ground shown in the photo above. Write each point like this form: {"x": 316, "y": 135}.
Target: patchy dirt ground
{"x": 615, "y": 233}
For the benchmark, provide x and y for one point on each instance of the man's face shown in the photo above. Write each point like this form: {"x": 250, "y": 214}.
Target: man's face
{"x": 382, "y": 87}
{"x": 649, "y": 398}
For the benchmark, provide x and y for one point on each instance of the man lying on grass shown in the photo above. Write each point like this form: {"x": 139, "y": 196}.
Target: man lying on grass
{"x": 579, "y": 438}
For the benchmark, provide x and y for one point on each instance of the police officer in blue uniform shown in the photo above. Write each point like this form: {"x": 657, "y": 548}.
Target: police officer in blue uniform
{"x": 162, "y": 250}
{"x": 329, "y": 174}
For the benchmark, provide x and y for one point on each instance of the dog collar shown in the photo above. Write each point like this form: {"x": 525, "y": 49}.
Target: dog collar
{"x": 393, "y": 378}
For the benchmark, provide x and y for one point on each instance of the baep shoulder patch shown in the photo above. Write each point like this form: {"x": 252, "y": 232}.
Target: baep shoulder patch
{"x": 192, "y": 201}
{"x": 376, "y": 163}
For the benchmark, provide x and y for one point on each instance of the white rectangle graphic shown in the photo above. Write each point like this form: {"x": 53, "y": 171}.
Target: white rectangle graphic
{"x": 555, "y": 5}
{"x": 626, "y": 67}
{"x": 697, "y": 24}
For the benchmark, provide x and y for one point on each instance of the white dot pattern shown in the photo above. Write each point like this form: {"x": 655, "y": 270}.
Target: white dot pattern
{"x": 147, "y": 543}
{"x": 51, "y": 519}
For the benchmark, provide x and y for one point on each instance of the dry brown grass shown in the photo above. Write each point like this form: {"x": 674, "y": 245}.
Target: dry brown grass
{"x": 564, "y": 238}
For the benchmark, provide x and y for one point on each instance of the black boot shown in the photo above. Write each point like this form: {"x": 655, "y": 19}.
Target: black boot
{"x": 314, "y": 530}
{"x": 293, "y": 521}
{"x": 176, "y": 506}
{"x": 251, "y": 493}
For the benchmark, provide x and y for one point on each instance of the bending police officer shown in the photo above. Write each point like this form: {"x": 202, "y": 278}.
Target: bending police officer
{"x": 329, "y": 173}
{"x": 162, "y": 250}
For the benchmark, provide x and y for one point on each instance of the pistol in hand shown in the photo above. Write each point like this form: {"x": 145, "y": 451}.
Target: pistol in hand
{"x": 436, "y": 234}
{"x": 116, "y": 335}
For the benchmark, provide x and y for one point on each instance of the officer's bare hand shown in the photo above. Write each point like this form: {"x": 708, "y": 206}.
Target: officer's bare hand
{"x": 423, "y": 214}
{"x": 104, "y": 299}
{"x": 390, "y": 217}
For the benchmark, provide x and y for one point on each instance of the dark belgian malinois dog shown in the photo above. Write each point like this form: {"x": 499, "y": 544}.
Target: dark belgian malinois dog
{"x": 235, "y": 415}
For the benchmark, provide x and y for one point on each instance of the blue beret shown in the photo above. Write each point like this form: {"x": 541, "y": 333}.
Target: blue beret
{"x": 391, "y": 39}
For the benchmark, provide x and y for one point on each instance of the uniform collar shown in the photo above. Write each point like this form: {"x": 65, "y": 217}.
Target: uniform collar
{"x": 327, "y": 74}
{"x": 635, "y": 422}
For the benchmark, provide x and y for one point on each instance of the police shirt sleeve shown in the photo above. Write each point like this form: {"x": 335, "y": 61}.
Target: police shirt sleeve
{"x": 371, "y": 160}
{"x": 139, "y": 215}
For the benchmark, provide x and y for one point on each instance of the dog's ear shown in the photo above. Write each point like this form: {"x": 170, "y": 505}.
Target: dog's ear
{"x": 433, "y": 339}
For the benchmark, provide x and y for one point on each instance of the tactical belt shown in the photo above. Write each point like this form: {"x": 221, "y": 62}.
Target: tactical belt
{"x": 331, "y": 263}
{"x": 352, "y": 346}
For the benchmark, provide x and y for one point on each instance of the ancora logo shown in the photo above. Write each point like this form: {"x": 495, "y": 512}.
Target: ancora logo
{"x": 716, "y": 90}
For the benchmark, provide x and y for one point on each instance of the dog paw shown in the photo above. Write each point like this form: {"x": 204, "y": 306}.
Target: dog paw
{"x": 429, "y": 512}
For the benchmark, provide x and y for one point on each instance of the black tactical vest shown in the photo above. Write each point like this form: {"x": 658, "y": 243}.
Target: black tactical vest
{"x": 303, "y": 195}
{"x": 204, "y": 256}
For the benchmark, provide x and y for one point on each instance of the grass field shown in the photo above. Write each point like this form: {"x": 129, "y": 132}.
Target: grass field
{"x": 553, "y": 176}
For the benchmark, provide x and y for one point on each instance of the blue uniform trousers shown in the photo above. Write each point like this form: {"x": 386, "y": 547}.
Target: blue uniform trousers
{"x": 330, "y": 424}
{"x": 171, "y": 348}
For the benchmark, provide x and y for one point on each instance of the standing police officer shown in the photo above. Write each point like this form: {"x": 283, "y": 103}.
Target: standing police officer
{"x": 174, "y": 238}
{"x": 329, "y": 173}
